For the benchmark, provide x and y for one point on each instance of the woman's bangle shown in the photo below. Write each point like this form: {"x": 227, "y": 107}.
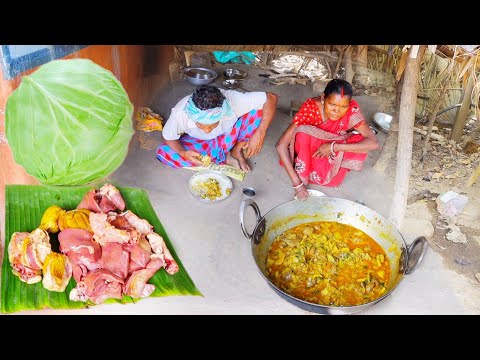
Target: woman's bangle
{"x": 299, "y": 185}
{"x": 331, "y": 147}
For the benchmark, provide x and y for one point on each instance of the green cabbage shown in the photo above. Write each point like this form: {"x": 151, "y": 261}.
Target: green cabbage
{"x": 69, "y": 123}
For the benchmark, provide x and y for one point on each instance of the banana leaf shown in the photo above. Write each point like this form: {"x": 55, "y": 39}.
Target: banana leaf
{"x": 24, "y": 207}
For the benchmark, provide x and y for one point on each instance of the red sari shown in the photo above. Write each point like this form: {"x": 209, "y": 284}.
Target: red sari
{"x": 311, "y": 132}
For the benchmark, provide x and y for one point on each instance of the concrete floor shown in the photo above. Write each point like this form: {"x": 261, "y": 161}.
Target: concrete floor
{"x": 210, "y": 244}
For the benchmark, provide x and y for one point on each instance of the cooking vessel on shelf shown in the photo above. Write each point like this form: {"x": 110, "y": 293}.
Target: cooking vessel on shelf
{"x": 403, "y": 259}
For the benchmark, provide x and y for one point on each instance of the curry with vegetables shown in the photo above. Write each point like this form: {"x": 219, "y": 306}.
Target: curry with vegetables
{"x": 208, "y": 189}
{"x": 328, "y": 263}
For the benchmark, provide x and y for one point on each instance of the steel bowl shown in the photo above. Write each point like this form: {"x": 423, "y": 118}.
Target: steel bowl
{"x": 200, "y": 76}
{"x": 231, "y": 83}
{"x": 383, "y": 121}
{"x": 375, "y": 131}
{"x": 235, "y": 74}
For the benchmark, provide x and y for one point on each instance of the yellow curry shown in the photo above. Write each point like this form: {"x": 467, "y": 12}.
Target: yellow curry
{"x": 208, "y": 189}
{"x": 328, "y": 263}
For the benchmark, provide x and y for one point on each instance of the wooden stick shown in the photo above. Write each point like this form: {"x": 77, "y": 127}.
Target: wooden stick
{"x": 341, "y": 51}
{"x": 433, "y": 135}
{"x": 420, "y": 196}
{"x": 329, "y": 75}
{"x": 277, "y": 76}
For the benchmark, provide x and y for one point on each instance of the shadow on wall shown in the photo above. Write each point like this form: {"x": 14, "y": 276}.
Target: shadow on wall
{"x": 156, "y": 71}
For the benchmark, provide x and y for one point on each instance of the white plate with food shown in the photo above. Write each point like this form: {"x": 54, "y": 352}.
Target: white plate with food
{"x": 210, "y": 186}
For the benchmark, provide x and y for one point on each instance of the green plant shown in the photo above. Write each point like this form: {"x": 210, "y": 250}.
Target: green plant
{"x": 69, "y": 123}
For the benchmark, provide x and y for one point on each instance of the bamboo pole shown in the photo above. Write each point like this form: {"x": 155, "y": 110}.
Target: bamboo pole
{"x": 341, "y": 51}
{"x": 432, "y": 118}
{"x": 405, "y": 136}
{"x": 329, "y": 69}
{"x": 362, "y": 56}
{"x": 349, "y": 72}
{"x": 462, "y": 113}
{"x": 391, "y": 140}
{"x": 401, "y": 65}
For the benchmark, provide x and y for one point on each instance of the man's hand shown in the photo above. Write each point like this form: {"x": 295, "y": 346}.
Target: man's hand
{"x": 192, "y": 156}
{"x": 254, "y": 145}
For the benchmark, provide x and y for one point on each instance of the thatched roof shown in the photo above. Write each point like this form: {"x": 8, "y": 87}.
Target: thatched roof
{"x": 271, "y": 48}
{"x": 447, "y": 50}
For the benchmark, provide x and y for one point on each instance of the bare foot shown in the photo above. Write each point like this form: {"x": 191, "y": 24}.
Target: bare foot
{"x": 238, "y": 161}
{"x": 244, "y": 165}
{"x": 232, "y": 161}
{"x": 238, "y": 154}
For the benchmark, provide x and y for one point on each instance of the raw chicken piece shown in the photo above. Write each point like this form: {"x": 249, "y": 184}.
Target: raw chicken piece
{"x": 141, "y": 225}
{"x": 136, "y": 285}
{"x": 98, "y": 286}
{"x": 15, "y": 245}
{"x": 115, "y": 259}
{"x": 50, "y": 218}
{"x": 126, "y": 242}
{"x": 108, "y": 198}
{"x": 75, "y": 219}
{"x": 26, "y": 274}
{"x": 119, "y": 221}
{"x": 156, "y": 241}
{"x": 82, "y": 251}
{"x": 139, "y": 257}
{"x": 96, "y": 202}
{"x": 77, "y": 239}
{"x": 160, "y": 248}
{"x": 113, "y": 194}
{"x": 104, "y": 232}
{"x": 38, "y": 248}
{"x": 27, "y": 253}
{"x": 57, "y": 272}
{"x": 144, "y": 244}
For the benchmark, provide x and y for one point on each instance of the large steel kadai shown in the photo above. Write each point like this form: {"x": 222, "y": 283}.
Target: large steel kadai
{"x": 403, "y": 259}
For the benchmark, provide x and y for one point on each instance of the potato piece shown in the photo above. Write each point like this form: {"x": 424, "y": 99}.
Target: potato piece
{"x": 281, "y": 258}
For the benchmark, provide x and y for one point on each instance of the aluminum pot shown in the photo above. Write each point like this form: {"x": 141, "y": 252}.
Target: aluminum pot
{"x": 403, "y": 259}
{"x": 200, "y": 76}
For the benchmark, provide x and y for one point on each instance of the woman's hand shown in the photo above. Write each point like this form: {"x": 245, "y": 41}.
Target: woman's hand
{"x": 302, "y": 192}
{"x": 192, "y": 156}
{"x": 323, "y": 150}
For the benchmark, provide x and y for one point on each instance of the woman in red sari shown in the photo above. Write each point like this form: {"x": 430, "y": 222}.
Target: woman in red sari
{"x": 318, "y": 146}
